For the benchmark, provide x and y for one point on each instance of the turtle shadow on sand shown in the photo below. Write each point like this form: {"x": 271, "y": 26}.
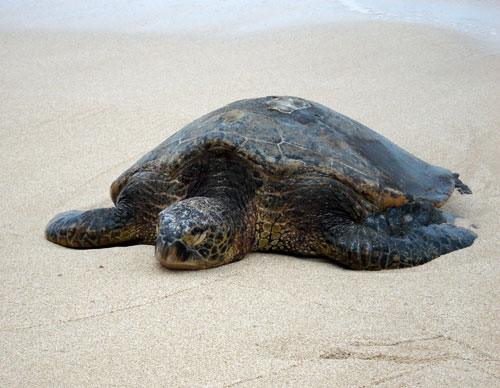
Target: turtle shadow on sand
{"x": 276, "y": 174}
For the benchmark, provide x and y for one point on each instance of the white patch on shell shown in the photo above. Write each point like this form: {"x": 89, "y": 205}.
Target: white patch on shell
{"x": 287, "y": 105}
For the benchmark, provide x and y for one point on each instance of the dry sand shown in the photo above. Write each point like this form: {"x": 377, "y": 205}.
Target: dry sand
{"x": 78, "y": 109}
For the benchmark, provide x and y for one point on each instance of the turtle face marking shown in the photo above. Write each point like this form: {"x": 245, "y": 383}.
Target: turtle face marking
{"x": 193, "y": 234}
{"x": 287, "y": 105}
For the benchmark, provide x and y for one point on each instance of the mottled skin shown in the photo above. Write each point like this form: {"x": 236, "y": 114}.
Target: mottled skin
{"x": 275, "y": 174}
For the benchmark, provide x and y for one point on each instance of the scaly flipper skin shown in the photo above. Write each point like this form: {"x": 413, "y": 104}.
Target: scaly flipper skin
{"x": 401, "y": 237}
{"x": 92, "y": 228}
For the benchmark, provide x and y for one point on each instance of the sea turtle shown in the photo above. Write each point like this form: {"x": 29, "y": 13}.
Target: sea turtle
{"x": 279, "y": 174}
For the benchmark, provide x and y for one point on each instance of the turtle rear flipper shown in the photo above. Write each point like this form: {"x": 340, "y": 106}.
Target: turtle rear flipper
{"x": 92, "y": 228}
{"x": 461, "y": 186}
{"x": 399, "y": 237}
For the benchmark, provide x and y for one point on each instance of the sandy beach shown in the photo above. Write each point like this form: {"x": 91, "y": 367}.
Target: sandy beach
{"x": 79, "y": 107}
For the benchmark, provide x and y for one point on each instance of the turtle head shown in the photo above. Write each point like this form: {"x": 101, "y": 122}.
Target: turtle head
{"x": 195, "y": 233}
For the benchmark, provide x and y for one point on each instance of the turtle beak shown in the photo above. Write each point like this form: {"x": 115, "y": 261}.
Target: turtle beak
{"x": 176, "y": 255}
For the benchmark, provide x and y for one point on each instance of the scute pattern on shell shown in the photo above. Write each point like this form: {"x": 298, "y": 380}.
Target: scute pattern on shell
{"x": 311, "y": 139}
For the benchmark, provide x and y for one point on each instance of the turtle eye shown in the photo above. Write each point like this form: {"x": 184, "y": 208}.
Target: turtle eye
{"x": 195, "y": 239}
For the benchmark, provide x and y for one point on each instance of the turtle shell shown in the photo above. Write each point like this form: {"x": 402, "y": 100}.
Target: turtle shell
{"x": 290, "y": 136}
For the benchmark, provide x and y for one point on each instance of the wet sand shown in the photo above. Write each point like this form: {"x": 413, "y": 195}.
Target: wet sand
{"x": 77, "y": 109}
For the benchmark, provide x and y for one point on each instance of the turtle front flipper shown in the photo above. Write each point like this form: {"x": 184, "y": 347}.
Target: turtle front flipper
{"x": 92, "y": 228}
{"x": 407, "y": 236}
